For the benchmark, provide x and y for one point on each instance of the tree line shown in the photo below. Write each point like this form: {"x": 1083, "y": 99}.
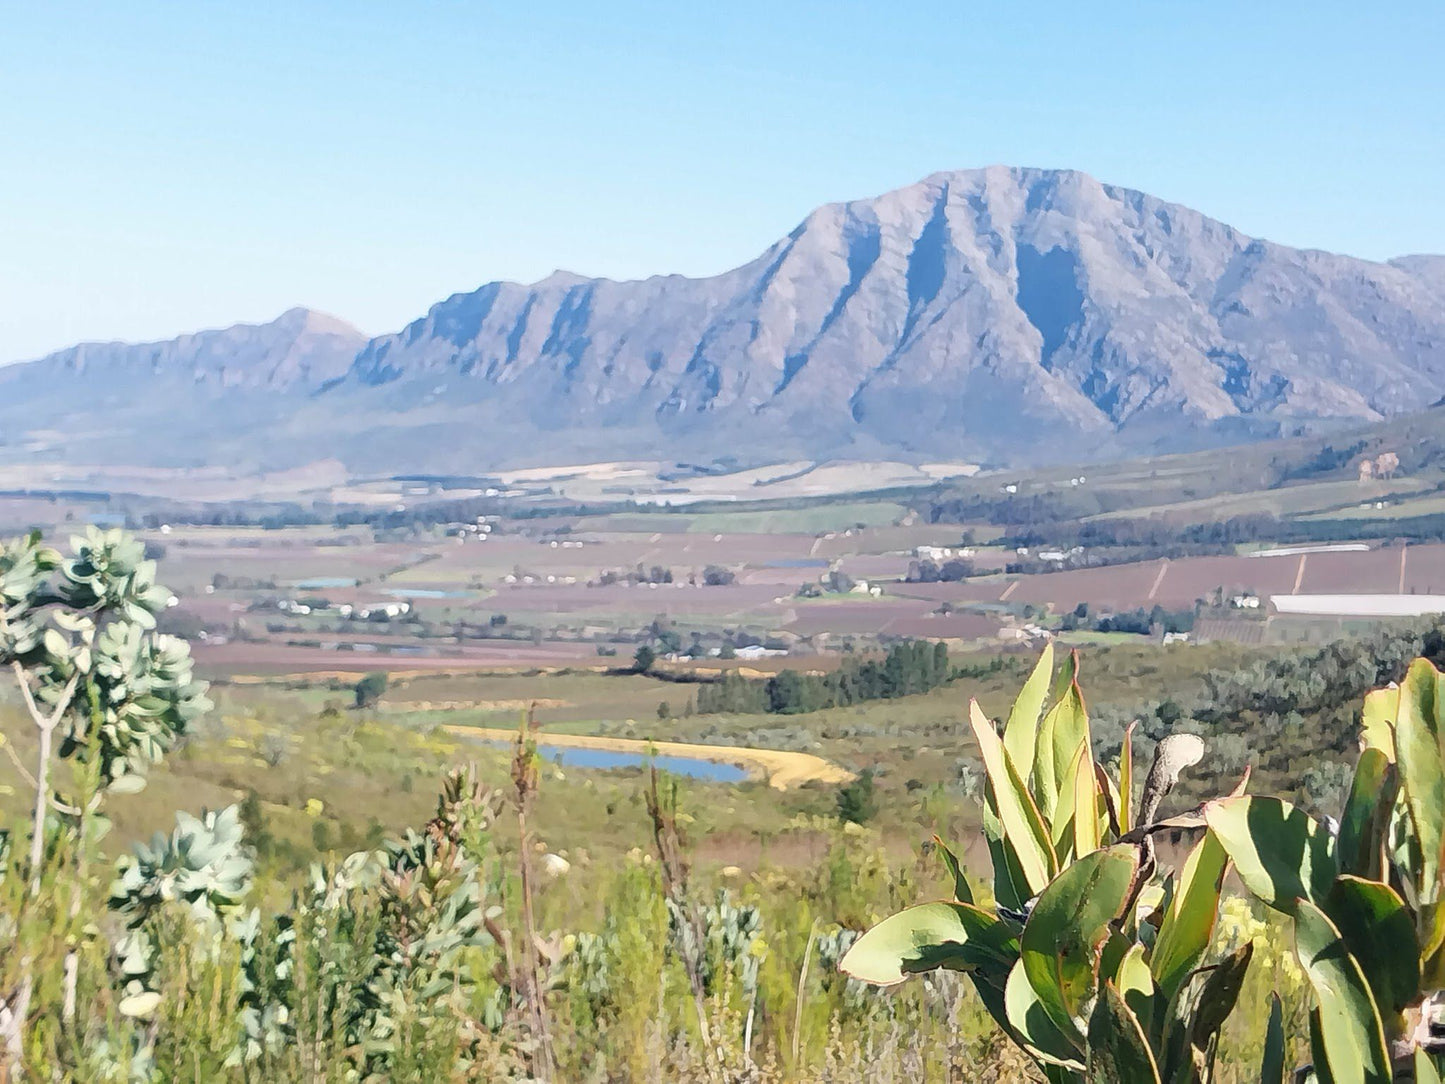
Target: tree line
{"x": 914, "y": 666}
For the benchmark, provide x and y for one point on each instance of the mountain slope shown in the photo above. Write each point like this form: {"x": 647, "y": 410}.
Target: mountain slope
{"x": 169, "y": 402}
{"x": 999, "y": 314}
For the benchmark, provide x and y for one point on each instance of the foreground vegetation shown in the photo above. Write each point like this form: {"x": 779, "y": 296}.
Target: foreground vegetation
{"x": 470, "y": 947}
{"x": 1097, "y": 964}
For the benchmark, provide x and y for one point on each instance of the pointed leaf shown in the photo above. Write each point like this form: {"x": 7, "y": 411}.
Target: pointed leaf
{"x": 1068, "y": 675}
{"x": 961, "y": 891}
{"x": 1110, "y": 794}
{"x": 1064, "y": 727}
{"x": 1023, "y": 827}
{"x": 1280, "y": 853}
{"x": 1021, "y": 731}
{"x": 1271, "y": 1070}
{"x": 1350, "y": 1034}
{"x": 1126, "y": 780}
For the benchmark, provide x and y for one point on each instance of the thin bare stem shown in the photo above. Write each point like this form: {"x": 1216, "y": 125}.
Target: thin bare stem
{"x": 798, "y": 1003}
{"x": 526, "y": 778}
{"x": 673, "y": 866}
{"x": 46, "y": 724}
{"x": 18, "y": 1010}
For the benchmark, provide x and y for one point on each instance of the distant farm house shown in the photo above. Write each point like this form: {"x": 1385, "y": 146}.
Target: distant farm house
{"x": 1383, "y": 467}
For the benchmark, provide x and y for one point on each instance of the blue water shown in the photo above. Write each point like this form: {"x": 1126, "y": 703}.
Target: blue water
{"x": 571, "y": 757}
{"x": 322, "y": 582}
{"x": 402, "y": 592}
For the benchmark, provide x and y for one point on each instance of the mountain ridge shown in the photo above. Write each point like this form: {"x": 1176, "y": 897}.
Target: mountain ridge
{"x": 1000, "y": 314}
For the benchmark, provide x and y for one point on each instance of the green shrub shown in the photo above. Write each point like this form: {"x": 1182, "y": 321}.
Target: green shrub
{"x": 856, "y": 801}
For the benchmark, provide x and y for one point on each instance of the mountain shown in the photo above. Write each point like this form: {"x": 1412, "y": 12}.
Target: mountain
{"x": 1005, "y": 315}
{"x": 167, "y": 402}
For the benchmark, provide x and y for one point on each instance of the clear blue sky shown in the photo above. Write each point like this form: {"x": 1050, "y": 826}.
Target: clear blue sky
{"x": 174, "y": 166}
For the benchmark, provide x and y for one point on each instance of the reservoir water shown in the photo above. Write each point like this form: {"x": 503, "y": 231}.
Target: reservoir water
{"x": 572, "y": 757}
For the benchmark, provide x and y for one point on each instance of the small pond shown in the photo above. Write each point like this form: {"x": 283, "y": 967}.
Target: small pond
{"x": 572, "y": 757}
{"x": 322, "y": 582}
{"x": 425, "y": 592}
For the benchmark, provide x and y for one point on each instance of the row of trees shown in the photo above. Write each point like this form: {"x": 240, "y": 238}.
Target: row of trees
{"x": 1140, "y": 621}
{"x": 640, "y": 574}
{"x": 1136, "y": 539}
{"x": 712, "y": 576}
{"x": 930, "y": 571}
{"x": 915, "y": 666}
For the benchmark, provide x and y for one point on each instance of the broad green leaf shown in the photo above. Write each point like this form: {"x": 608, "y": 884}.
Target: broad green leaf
{"x": 1379, "y": 932}
{"x": 1271, "y": 1070}
{"x": 1350, "y": 1034}
{"x": 1422, "y": 773}
{"x": 1028, "y": 1018}
{"x": 1023, "y": 827}
{"x": 961, "y": 891}
{"x": 1377, "y": 720}
{"x": 1365, "y": 823}
{"x": 1427, "y": 1069}
{"x": 1021, "y": 730}
{"x": 1280, "y": 853}
{"x": 1070, "y": 920}
{"x": 1189, "y": 921}
{"x": 1134, "y": 981}
{"x": 955, "y": 936}
{"x": 1218, "y": 995}
{"x": 1064, "y": 727}
{"x": 1118, "y": 1048}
